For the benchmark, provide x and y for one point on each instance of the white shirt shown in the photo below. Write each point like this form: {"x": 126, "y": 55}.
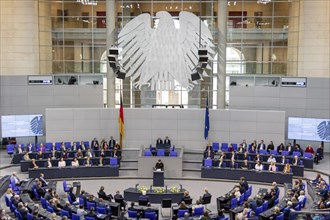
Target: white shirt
{"x": 272, "y": 168}
{"x": 270, "y": 160}
{"x": 49, "y": 164}
{"x": 61, "y": 164}
{"x": 75, "y": 163}
{"x": 258, "y": 167}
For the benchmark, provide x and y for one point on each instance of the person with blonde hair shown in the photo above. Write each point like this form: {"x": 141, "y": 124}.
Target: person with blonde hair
{"x": 287, "y": 168}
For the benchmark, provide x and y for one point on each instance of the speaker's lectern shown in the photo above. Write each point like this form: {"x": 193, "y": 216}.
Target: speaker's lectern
{"x": 158, "y": 178}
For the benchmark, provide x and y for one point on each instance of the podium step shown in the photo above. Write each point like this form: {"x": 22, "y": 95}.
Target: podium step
{"x": 128, "y": 172}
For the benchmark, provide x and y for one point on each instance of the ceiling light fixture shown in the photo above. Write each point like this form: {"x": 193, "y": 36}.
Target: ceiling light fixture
{"x": 264, "y": 1}
{"x": 87, "y": 2}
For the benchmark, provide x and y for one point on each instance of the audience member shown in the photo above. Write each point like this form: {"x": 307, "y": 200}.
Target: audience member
{"x": 81, "y": 211}
{"x": 289, "y": 148}
{"x": 258, "y": 166}
{"x": 280, "y": 148}
{"x": 287, "y": 168}
{"x": 103, "y": 195}
{"x": 270, "y": 146}
{"x": 272, "y": 167}
{"x": 61, "y": 163}
{"x": 309, "y": 149}
{"x": 271, "y": 159}
{"x": 88, "y": 162}
{"x": 261, "y": 145}
{"x": 14, "y": 179}
{"x": 26, "y": 157}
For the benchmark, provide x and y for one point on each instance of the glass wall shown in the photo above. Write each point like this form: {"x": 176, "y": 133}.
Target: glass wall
{"x": 262, "y": 38}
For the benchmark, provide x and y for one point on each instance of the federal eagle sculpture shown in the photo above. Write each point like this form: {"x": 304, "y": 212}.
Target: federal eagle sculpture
{"x": 157, "y": 57}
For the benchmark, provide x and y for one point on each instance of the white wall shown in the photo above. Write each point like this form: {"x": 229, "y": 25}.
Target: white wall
{"x": 185, "y": 127}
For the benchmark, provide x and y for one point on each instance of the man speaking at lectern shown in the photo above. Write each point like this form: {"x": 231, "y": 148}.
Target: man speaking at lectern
{"x": 159, "y": 165}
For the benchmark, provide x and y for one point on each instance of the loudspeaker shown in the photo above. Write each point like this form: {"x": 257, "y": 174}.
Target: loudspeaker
{"x": 120, "y": 75}
{"x": 112, "y": 58}
{"x": 112, "y": 65}
{"x": 202, "y": 51}
{"x": 113, "y": 51}
{"x": 195, "y": 76}
{"x": 203, "y": 59}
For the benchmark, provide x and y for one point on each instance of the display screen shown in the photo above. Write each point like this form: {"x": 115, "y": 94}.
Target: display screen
{"x": 21, "y": 125}
{"x": 311, "y": 129}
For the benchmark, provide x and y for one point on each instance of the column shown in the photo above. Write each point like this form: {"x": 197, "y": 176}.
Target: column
{"x": 222, "y": 44}
{"x": 111, "y": 34}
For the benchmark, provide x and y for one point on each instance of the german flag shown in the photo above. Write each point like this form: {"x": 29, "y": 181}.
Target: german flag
{"x": 121, "y": 118}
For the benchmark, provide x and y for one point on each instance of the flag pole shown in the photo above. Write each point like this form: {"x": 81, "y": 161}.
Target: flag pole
{"x": 121, "y": 106}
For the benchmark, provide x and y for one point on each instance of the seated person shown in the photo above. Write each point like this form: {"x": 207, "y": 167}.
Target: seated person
{"x": 271, "y": 159}
{"x": 221, "y": 162}
{"x": 252, "y": 204}
{"x": 159, "y": 165}
{"x": 55, "y": 205}
{"x": 102, "y": 153}
{"x": 270, "y": 146}
{"x": 220, "y": 214}
{"x": 29, "y": 148}
{"x": 91, "y": 213}
{"x": 95, "y": 144}
{"x": 205, "y": 196}
{"x": 33, "y": 164}
{"x": 183, "y": 206}
{"x": 79, "y": 154}
{"x": 246, "y": 156}
{"x": 280, "y": 148}
{"x": 26, "y": 157}
{"x": 48, "y": 163}
{"x": 74, "y": 199}
{"x": 318, "y": 154}
{"x": 61, "y": 163}
{"x": 53, "y": 155}
{"x": 103, "y": 195}
{"x": 272, "y": 167}
{"x": 295, "y": 161}
{"x": 287, "y": 168}
{"x": 245, "y": 165}
{"x": 67, "y": 207}
{"x": 42, "y": 180}
{"x": 240, "y": 149}
{"x": 23, "y": 210}
{"x": 187, "y": 216}
{"x": 253, "y": 149}
{"x": 243, "y": 184}
{"x": 40, "y": 155}
{"x": 75, "y": 163}
{"x": 116, "y": 151}
{"x": 185, "y": 197}
{"x": 283, "y": 160}
{"x": 271, "y": 201}
{"x": 237, "y": 193}
{"x": 144, "y": 197}
{"x": 258, "y": 158}
{"x": 209, "y": 154}
{"x": 258, "y": 166}
{"x": 19, "y": 149}
{"x": 277, "y": 212}
{"x": 88, "y": 162}
{"x": 89, "y": 153}
{"x": 82, "y": 145}
{"x": 205, "y": 216}
{"x": 131, "y": 208}
{"x": 81, "y": 211}
{"x": 74, "y": 146}
{"x": 301, "y": 196}
{"x": 318, "y": 179}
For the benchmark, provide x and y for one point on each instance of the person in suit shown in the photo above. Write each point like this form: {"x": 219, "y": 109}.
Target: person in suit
{"x": 243, "y": 184}
{"x": 88, "y": 162}
{"x": 103, "y": 195}
{"x": 270, "y": 146}
{"x": 74, "y": 146}
{"x": 95, "y": 144}
{"x": 89, "y": 153}
{"x": 258, "y": 158}
{"x": 144, "y": 196}
{"x": 159, "y": 141}
{"x": 79, "y": 154}
{"x": 280, "y": 148}
{"x": 209, "y": 154}
{"x": 91, "y": 213}
{"x": 232, "y": 163}
{"x": 185, "y": 197}
{"x": 53, "y": 155}
{"x": 283, "y": 160}
{"x": 54, "y": 205}
{"x": 41, "y": 191}
{"x": 74, "y": 199}
{"x": 44, "y": 183}
{"x": 246, "y": 156}
{"x": 298, "y": 149}
{"x": 22, "y": 209}
{"x": 53, "y": 147}
{"x": 48, "y": 163}
{"x": 221, "y": 162}
{"x": 253, "y": 149}
{"x": 131, "y": 208}
{"x": 167, "y": 141}
{"x": 14, "y": 178}
{"x": 49, "y": 194}
{"x": 122, "y": 216}
{"x": 82, "y": 146}
{"x": 112, "y": 143}
{"x": 245, "y": 165}
{"x": 318, "y": 155}
{"x": 277, "y": 212}
{"x": 208, "y": 147}
{"x": 159, "y": 165}
{"x": 205, "y": 196}
{"x": 29, "y": 148}
{"x": 244, "y": 146}
{"x": 295, "y": 161}
{"x": 252, "y": 204}
{"x": 62, "y": 147}
{"x": 67, "y": 208}
{"x": 261, "y": 145}
{"x": 289, "y": 148}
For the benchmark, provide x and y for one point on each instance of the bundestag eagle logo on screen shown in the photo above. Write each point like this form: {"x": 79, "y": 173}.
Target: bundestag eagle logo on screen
{"x": 323, "y": 130}
{"x": 36, "y": 125}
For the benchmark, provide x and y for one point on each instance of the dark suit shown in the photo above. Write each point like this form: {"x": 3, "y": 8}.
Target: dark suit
{"x": 209, "y": 155}
{"x": 167, "y": 141}
{"x": 43, "y": 181}
{"x": 67, "y": 208}
{"x": 73, "y": 196}
{"x": 112, "y": 143}
{"x": 159, "y": 141}
{"x": 41, "y": 191}
{"x": 23, "y": 212}
{"x": 262, "y": 146}
{"x": 289, "y": 149}
{"x": 206, "y": 195}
